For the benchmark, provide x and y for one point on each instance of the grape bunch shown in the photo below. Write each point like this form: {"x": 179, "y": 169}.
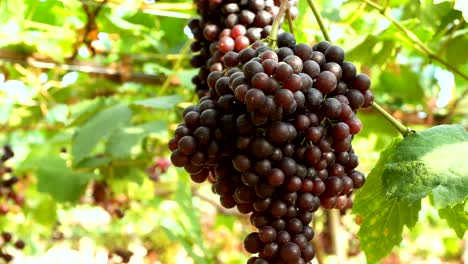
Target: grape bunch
{"x": 7, "y": 239}
{"x": 9, "y": 197}
{"x": 228, "y": 25}
{"x": 273, "y": 136}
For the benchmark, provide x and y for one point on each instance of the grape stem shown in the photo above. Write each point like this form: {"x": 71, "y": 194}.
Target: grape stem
{"x": 404, "y": 131}
{"x": 290, "y": 21}
{"x": 277, "y": 22}
{"x": 414, "y": 40}
{"x": 318, "y": 17}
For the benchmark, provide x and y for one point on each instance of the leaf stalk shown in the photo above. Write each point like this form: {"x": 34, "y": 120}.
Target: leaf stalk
{"x": 404, "y": 130}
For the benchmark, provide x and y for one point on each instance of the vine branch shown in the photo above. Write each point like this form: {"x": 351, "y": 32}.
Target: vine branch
{"x": 277, "y": 22}
{"x": 115, "y": 74}
{"x": 318, "y": 17}
{"x": 290, "y": 21}
{"x": 414, "y": 40}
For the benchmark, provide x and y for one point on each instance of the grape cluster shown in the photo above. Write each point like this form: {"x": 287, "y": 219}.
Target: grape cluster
{"x": 228, "y": 25}
{"x": 7, "y": 238}
{"x": 9, "y": 197}
{"x": 274, "y": 136}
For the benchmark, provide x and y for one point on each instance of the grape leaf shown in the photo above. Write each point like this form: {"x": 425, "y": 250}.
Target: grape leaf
{"x": 456, "y": 218}
{"x": 454, "y": 48}
{"x": 94, "y": 162}
{"x": 63, "y": 184}
{"x": 432, "y": 161}
{"x": 383, "y": 218}
{"x": 97, "y": 128}
{"x": 122, "y": 142}
{"x": 84, "y": 110}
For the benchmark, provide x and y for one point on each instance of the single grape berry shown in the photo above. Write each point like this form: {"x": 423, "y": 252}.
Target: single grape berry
{"x": 286, "y": 39}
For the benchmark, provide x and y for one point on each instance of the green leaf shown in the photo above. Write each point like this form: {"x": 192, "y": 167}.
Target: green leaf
{"x": 97, "y": 128}
{"x": 161, "y": 102}
{"x": 373, "y": 50}
{"x": 383, "y": 217}
{"x": 122, "y": 142}
{"x": 401, "y": 84}
{"x": 94, "y": 162}
{"x": 63, "y": 184}
{"x": 456, "y": 47}
{"x": 126, "y": 174}
{"x": 456, "y": 218}
{"x": 84, "y": 110}
{"x": 430, "y": 161}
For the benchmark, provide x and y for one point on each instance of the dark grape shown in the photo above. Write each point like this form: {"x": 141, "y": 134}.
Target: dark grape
{"x": 290, "y": 252}
{"x": 326, "y": 82}
{"x": 286, "y": 39}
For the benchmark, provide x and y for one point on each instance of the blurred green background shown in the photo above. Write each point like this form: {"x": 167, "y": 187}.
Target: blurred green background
{"x": 89, "y": 100}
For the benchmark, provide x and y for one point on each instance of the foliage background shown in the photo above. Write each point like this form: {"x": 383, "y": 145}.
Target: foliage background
{"x": 91, "y": 100}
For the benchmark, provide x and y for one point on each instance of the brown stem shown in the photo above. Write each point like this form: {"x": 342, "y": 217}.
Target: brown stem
{"x": 90, "y": 26}
{"x": 290, "y": 21}
{"x": 110, "y": 73}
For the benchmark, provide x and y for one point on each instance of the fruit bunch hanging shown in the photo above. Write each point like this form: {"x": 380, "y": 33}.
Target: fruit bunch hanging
{"x": 273, "y": 135}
